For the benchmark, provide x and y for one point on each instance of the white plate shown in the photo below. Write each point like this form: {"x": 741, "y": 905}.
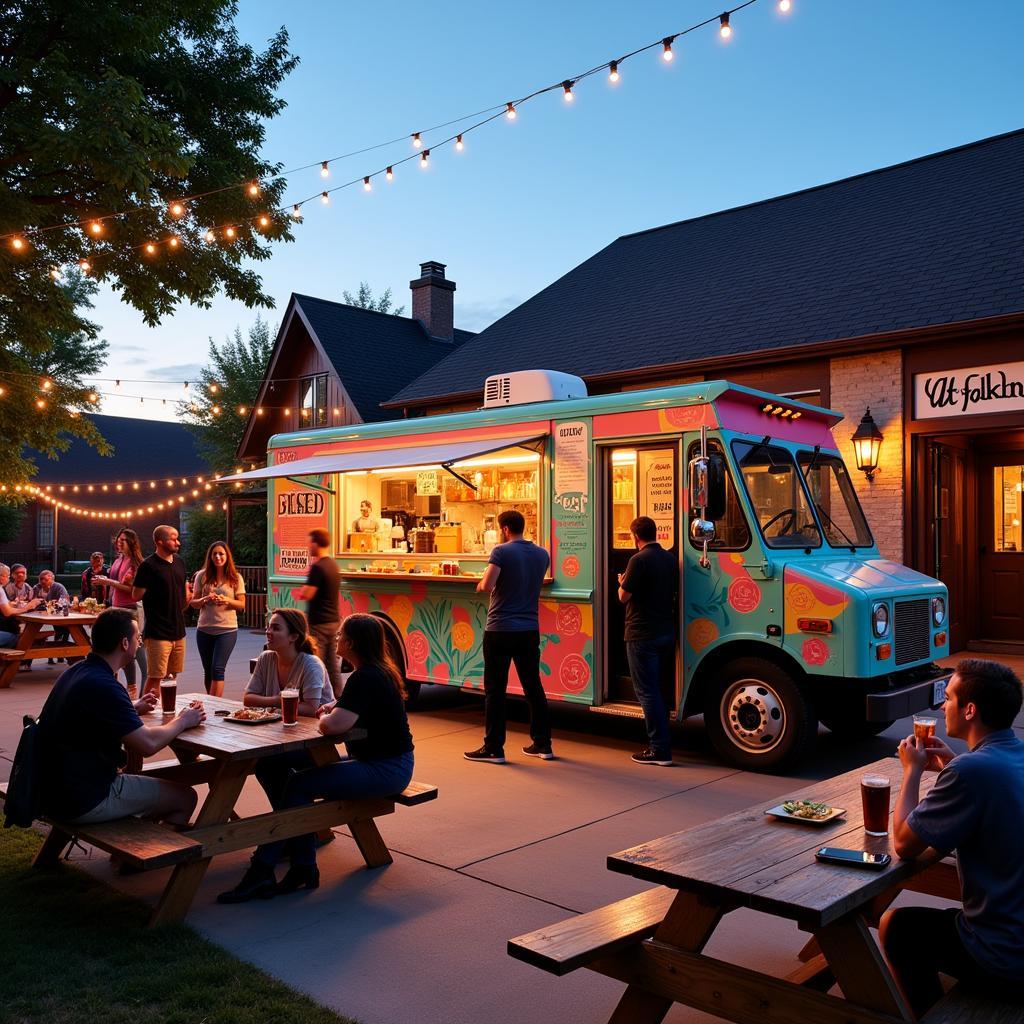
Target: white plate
{"x": 783, "y": 815}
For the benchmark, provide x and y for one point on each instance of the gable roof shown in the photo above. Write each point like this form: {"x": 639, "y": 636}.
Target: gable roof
{"x": 374, "y": 354}
{"x": 141, "y": 448}
{"x": 936, "y": 240}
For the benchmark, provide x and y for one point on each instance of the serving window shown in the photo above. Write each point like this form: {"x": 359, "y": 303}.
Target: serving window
{"x": 426, "y": 510}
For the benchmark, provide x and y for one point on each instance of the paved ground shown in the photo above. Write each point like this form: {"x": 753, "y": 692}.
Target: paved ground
{"x": 502, "y": 851}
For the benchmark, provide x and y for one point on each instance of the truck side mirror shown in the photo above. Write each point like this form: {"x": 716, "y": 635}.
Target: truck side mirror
{"x": 707, "y": 486}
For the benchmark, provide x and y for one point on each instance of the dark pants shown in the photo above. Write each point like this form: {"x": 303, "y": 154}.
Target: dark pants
{"x": 274, "y": 774}
{"x": 648, "y": 660}
{"x": 921, "y": 943}
{"x": 502, "y": 649}
{"x": 214, "y": 651}
{"x": 326, "y": 634}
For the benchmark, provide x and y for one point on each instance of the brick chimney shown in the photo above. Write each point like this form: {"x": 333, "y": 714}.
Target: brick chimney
{"x": 433, "y": 301}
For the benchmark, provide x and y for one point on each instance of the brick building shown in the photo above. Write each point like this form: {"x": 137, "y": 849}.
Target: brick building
{"x": 900, "y": 291}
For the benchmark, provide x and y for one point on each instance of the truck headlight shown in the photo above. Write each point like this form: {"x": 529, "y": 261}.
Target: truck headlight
{"x": 938, "y": 610}
{"x": 880, "y": 620}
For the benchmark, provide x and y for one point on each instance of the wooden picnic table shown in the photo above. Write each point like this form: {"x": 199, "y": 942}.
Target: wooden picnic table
{"x": 654, "y": 941}
{"x": 35, "y": 643}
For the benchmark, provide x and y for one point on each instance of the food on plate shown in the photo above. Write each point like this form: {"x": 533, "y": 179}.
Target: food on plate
{"x": 254, "y": 714}
{"x": 807, "y": 809}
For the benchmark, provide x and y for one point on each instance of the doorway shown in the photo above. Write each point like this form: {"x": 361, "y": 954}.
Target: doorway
{"x": 1001, "y": 552}
{"x": 948, "y": 500}
{"x": 639, "y": 480}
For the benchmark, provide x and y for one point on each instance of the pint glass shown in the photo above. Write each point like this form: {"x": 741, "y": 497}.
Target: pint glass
{"x": 290, "y": 707}
{"x": 168, "y": 695}
{"x": 874, "y": 794}
{"x": 923, "y": 727}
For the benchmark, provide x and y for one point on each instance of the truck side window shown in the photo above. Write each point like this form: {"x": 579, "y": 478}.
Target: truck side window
{"x": 731, "y": 531}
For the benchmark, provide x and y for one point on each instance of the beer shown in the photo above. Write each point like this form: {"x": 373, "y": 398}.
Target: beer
{"x": 874, "y": 795}
{"x": 290, "y": 707}
{"x": 168, "y": 695}
{"x": 924, "y": 728}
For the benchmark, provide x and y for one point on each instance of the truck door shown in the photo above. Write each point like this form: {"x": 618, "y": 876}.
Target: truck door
{"x": 639, "y": 480}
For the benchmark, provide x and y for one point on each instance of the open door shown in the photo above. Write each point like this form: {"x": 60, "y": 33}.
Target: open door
{"x": 1001, "y": 565}
{"x": 640, "y": 480}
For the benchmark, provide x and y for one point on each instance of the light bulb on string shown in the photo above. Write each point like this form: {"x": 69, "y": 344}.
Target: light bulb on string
{"x": 85, "y": 266}
{"x": 242, "y": 410}
{"x": 18, "y": 244}
{"x": 213, "y": 388}
{"x": 613, "y": 71}
{"x": 55, "y": 273}
{"x": 259, "y": 410}
{"x": 177, "y": 210}
{"x": 46, "y": 384}
{"x": 93, "y": 397}
{"x": 96, "y": 228}
{"x": 725, "y": 29}
{"x": 117, "y": 385}
{"x": 324, "y": 170}
{"x": 210, "y": 237}
{"x": 366, "y": 184}
{"x": 324, "y": 198}
{"x": 784, "y": 6}
{"x": 174, "y": 241}
{"x": 185, "y": 388}
{"x": 424, "y": 159}
{"x": 40, "y": 403}
{"x": 416, "y": 140}
{"x": 666, "y": 44}
{"x": 510, "y": 111}
{"x": 254, "y": 188}
{"x": 458, "y": 143}
{"x": 296, "y": 212}
{"x": 150, "y": 248}
{"x": 389, "y": 174}
{"x": 215, "y": 410}
{"x": 229, "y": 232}
{"x": 264, "y": 221}
{"x": 567, "y": 90}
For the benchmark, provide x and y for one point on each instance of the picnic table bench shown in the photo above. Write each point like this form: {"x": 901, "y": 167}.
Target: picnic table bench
{"x": 34, "y": 642}
{"x": 222, "y": 755}
{"x": 654, "y": 941}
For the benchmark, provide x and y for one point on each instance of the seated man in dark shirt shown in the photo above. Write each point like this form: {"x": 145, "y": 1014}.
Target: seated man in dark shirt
{"x": 976, "y": 808}
{"x": 88, "y": 722}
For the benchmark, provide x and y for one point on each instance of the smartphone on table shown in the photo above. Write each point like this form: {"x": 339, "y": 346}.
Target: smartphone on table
{"x": 854, "y": 858}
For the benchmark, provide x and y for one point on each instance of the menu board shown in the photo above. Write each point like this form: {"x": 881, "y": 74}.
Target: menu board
{"x": 298, "y": 508}
{"x": 658, "y": 493}
{"x": 572, "y": 532}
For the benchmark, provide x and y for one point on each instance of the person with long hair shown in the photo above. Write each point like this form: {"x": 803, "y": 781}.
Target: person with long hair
{"x": 119, "y": 580}
{"x": 219, "y": 593}
{"x": 379, "y": 765}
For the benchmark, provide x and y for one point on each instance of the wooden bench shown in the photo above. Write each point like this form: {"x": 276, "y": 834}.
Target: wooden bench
{"x": 580, "y": 940}
{"x": 962, "y": 1006}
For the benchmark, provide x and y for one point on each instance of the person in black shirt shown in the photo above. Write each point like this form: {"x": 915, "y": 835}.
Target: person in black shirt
{"x": 381, "y": 764}
{"x": 87, "y": 723}
{"x": 97, "y": 567}
{"x": 321, "y": 593}
{"x": 648, "y": 589}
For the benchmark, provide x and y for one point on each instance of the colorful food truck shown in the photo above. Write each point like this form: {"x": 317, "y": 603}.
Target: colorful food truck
{"x": 788, "y": 614}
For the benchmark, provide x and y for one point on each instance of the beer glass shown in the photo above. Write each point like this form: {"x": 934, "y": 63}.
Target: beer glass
{"x": 874, "y": 795}
{"x": 168, "y": 695}
{"x": 290, "y": 707}
{"x": 924, "y": 727}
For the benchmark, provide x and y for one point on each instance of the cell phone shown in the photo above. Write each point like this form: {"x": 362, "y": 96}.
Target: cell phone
{"x": 854, "y": 858}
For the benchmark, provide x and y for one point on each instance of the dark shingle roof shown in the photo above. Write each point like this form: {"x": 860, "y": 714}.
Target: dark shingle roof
{"x": 934, "y": 241}
{"x": 141, "y": 448}
{"x": 373, "y": 353}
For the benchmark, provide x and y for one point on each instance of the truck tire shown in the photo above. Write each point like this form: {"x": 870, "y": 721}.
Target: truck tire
{"x": 757, "y": 717}
{"x": 395, "y": 648}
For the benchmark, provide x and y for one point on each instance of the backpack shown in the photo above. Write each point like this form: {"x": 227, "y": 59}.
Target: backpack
{"x": 23, "y": 805}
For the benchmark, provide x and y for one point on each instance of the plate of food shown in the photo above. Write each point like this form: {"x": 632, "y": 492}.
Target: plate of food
{"x": 254, "y": 716}
{"x": 808, "y": 812}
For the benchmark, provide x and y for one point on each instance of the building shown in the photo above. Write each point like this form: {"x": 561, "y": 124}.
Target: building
{"x": 900, "y": 291}
{"x": 108, "y": 485}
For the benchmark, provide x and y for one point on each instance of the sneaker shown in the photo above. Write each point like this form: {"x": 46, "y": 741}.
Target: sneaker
{"x": 541, "y": 750}
{"x": 650, "y": 757}
{"x": 483, "y": 754}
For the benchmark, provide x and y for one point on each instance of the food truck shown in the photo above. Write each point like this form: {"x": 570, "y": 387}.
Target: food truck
{"x": 788, "y": 614}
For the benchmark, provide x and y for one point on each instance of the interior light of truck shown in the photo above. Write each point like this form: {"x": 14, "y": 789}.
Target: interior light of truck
{"x": 882, "y": 652}
{"x": 938, "y": 610}
{"x": 814, "y": 625}
{"x": 880, "y": 619}
{"x": 940, "y": 639}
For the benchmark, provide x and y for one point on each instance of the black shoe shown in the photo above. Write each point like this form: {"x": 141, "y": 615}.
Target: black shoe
{"x": 483, "y": 754}
{"x": 300, "y": 876}
{"x": 650, "y": 757}
{"x": 541, "y": 750}
{"x": 50, "y": 661}
{"x": 258, "y": 883}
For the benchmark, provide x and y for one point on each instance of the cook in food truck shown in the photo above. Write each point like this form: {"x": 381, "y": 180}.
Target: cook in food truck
{"x": 788, "y": 613}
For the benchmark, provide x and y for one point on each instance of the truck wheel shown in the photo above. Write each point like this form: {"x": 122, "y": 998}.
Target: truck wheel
{"x": 757, "y": 717}
{"x": 848, "y": 727}
{"x": 395, "y": 648}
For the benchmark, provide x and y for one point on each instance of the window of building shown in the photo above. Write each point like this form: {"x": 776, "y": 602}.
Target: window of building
{"x": 313, "y": 406}
{"x": 44, "y": 528}
{"x": 1009, "y": 510}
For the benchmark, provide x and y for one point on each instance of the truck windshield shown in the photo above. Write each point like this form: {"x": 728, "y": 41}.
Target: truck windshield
{"x": 777, "y": 495}
{"x": 835, "y": 500}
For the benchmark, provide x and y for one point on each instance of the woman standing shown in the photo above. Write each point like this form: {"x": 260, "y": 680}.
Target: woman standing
{"x": 219, "y": 594}
{"x": 120, "y": 580}
{"x": 380, "y": 765}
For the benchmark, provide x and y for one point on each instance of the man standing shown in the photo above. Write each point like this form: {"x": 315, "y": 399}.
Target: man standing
{"x": 648, "y": 589}
{"x": 96, "y": 568}
{"x": 513, "y": 578}
{"x": 321, "y": 594}
{"x": 161, "y": 584}
{"x": 87, "y": 723}
{"x": 976, "y": 807}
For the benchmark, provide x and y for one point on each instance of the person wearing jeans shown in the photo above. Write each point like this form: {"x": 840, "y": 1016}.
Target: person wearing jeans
{"x": 219, "y": 594}
{"x": 513, "y": 578}
{"x": 648, "y": 589}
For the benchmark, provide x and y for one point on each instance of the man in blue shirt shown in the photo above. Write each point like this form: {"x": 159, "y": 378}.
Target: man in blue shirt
{"x": 976, "y": 808}
{"x": 87, "y": 723}
{"x": 513, "y": 578}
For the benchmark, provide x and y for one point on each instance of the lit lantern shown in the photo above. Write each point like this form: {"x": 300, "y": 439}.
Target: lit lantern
{"x": 867, "y": 439}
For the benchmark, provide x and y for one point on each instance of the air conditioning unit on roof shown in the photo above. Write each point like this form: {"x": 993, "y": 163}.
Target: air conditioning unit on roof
{"x": 522, "y": 387}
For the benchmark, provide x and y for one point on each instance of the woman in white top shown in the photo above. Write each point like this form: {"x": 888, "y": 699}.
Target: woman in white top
{"x": 219, "y": 594}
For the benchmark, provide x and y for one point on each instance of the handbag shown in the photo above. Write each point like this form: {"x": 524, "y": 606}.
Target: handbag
{"x": 23, "y": 803}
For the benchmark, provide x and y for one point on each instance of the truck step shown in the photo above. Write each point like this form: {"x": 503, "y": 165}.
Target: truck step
{"x": 624, "y": 709}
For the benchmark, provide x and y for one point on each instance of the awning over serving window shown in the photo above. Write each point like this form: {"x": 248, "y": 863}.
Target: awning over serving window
{"x": 441, "y": 455}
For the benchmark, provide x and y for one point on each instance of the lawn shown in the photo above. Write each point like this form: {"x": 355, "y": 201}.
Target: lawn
{"x": 73, "y": 950}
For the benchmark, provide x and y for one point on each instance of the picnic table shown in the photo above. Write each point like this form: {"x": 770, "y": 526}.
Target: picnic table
{"x": 654, "y": 941}
{"x": 223, "y": 755}
{"x": 34, "y": 642}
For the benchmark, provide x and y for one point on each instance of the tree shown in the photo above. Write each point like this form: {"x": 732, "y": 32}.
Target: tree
{"x": 116, "y": 111}
{"x": 228, "y": 383}
{"x": 11, "y": 517}
{"x": 365, "y": 300}
{"x": 248, "y": 541}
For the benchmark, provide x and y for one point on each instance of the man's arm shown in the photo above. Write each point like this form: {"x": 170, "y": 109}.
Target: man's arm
{"x": 906, "y": 842}
{"x": 306, "y": 593}
{"x": 490, "y": 579}
{"x": 148, "y": 739}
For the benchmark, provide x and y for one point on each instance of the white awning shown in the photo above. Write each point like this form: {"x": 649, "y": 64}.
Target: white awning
{"x": 440, "y": 455}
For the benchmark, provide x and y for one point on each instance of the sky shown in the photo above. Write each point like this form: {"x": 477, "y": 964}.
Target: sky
{"x": 831, "y": 89}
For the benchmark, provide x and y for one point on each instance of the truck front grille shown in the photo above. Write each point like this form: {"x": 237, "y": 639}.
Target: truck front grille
{"x": 912, "y": 632}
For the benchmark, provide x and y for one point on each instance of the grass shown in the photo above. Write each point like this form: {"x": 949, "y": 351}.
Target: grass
{"x": 72, "y": 950}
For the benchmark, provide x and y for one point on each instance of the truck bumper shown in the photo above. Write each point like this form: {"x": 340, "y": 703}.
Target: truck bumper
{"x": 921, "y": 695}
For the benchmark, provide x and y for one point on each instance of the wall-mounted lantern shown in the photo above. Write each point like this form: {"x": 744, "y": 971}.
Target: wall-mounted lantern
{"x": 867, "y": 439}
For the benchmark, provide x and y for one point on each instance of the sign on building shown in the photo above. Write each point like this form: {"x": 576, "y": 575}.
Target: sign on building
{"x": 969, "y": 392}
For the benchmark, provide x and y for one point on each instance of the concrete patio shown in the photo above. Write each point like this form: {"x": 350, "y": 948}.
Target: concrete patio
{"x": 503, "y": 850}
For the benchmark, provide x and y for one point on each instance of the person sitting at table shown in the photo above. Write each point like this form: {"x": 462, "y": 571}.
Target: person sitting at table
{"x": 379, "y": 765}
{"x": 976, "y": 808}
{"x": 9, "y": 625}
{"x": 97, "y": 567}
{"x": 87, "y": 724}
{"x": 50, "y": 589}
{"x": 18, "y": 588}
